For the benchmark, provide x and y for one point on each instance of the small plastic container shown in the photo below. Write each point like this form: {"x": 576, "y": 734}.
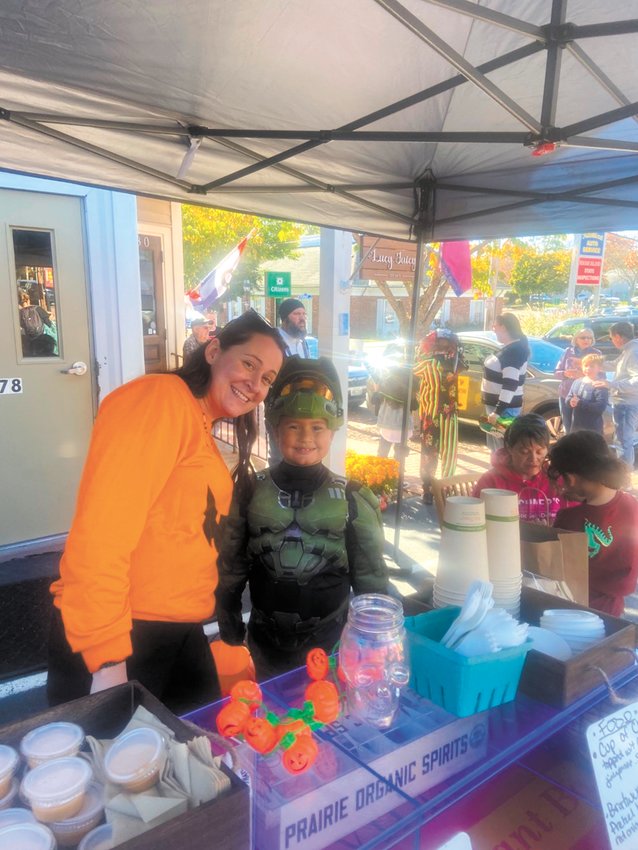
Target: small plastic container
{"x": 135, "y": 758}
{"x": 69, "y": 832}
{"x": 98, "y": 839}
{"x": 460, "y": 685}
{"x": 12, "y": 793}
{"x": 8, "y": 764}
{"x": 52, "y": 741}
{"x": 26, "y": 836}
{"x": 9, "y": 817}
{"x": 56, "y": 789}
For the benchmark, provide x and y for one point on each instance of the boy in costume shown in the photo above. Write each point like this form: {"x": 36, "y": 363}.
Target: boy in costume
{"x": 304, "y": 537}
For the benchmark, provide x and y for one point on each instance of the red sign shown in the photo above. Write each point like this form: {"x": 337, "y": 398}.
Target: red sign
{"x": 588, "y": 271}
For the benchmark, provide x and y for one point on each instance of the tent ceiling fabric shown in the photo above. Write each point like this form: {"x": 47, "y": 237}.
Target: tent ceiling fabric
{"x": 334, "y": 113}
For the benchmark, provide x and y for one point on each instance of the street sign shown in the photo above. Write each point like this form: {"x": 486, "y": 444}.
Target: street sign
{"x": 590, "y": 259}
{"x": 278, "y": 284}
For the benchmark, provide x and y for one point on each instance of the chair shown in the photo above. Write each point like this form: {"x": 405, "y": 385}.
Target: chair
{"x": 455, "y": 485}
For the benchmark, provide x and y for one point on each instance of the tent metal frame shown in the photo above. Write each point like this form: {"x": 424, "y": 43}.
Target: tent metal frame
{"x": 555, "y": 37}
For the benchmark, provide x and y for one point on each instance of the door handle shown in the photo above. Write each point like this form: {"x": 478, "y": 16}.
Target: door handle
{"x": 78, "y": 368}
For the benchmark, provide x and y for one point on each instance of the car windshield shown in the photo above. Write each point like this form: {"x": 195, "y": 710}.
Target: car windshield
{"x": 543, "y": 355}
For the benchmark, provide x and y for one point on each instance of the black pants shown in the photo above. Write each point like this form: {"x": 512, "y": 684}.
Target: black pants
{"x": 172, "y": 660}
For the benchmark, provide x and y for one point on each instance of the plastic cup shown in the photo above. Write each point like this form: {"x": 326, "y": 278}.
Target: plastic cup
{"x": 26, "y": 836}
{"x": 9, "y": 797}
{"x": 98, "y": 839}
{"x": 9, "y": 817}
{"x": 70, "y": 832}
{"x": 135, "y": 758}
{"x": 52, "y": 741}
{"x": 56, "y": 789}
{"x": 8, "y": 764}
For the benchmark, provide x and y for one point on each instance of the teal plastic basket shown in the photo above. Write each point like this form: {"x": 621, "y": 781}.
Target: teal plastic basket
{"x": 458, "y": 684}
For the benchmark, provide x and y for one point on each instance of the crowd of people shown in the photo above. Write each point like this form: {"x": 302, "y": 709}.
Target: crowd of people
{"x": 164, "y": 538}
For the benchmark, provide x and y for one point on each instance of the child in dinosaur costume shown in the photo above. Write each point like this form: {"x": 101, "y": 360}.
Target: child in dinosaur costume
{"x": 437, "y": 370}
{"x": 304, "y": 537}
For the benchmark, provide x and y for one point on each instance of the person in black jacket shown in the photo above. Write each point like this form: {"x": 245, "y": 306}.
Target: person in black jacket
{"x": 504, "y": 375}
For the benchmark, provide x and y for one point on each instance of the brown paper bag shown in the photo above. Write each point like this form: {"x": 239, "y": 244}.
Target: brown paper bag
{"x": 556, "y": 561}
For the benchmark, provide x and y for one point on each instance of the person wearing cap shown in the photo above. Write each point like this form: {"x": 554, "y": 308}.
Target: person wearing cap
{"x": 292, "y": 319}
{"x": 201, "y": 331}
{"x": 304, "y": 537}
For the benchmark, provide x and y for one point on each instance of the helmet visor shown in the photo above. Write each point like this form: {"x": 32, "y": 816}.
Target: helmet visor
{"x": 311, "y": 385}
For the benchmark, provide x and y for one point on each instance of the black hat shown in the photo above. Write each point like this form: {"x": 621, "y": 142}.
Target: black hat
{"x": 288, "y": 305}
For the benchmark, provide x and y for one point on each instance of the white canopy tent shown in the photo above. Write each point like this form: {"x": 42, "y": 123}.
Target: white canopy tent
{"x": 366, "y": 115}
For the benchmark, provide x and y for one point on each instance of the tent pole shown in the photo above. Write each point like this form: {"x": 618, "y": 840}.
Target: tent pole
{"x": 410, "y": 349}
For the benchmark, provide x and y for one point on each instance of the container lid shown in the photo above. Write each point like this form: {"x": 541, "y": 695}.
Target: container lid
{"x": 133, "y": 753}
{"x": 51, "y": 741}
{"x": 26, "y": 836}
{"x": 10, "y": 816}
{"x": 92, "y": 805}
{"x": 100, "y": 838}
{"x": 8, "y": 760}
{"x": 57, "y": 780}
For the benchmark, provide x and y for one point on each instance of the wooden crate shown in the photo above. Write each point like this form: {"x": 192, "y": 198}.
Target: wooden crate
{"x": 223, "y": 823}
{"x": 560, "y": 683}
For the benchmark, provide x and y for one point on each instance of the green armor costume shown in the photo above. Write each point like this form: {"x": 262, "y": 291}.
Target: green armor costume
{"x": 295, "y": 541}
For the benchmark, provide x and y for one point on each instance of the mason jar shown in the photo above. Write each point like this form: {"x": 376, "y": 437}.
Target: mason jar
{"x": 373, "y": 657}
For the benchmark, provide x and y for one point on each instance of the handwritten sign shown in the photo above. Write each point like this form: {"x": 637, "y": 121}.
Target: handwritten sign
{"x": 613, "y": 747}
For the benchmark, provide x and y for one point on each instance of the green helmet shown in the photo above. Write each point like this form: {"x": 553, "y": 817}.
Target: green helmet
{"x": 306, "y": 389}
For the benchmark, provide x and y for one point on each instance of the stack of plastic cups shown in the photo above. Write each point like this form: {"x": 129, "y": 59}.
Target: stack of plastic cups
{"x": 504, "y": 548}
{"x": 463, "y": 553}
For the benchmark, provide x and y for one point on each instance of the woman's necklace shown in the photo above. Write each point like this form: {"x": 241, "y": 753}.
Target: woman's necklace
{"x": 207, "y": 418}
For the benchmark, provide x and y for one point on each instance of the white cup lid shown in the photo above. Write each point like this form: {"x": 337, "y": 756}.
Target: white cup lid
{"x": 26, "y": 836}
{"x": 100, "y": 838}
{"x": 8, "y": 817}
{"x": 132, "y": 753}
{"x": 54, "y": 740}
{"x": 57, "y": 780}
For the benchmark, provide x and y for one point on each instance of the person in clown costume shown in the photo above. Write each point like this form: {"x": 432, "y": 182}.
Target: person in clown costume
{"x": 304, "y": 537}
{"x": 438, "y": 366}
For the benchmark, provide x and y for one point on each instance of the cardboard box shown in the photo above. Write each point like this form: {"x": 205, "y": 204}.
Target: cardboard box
{"x": 559, "y": 558}
{"x": 560, "y": 683}
{"x": 361, "y": 775}
{"x": 223, "y": 823}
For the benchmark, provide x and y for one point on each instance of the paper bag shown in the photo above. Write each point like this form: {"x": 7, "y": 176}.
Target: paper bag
{"x": 556, "y": 561}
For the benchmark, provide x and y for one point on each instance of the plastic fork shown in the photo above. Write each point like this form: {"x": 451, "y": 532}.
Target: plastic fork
{"x": 478, "y": 602}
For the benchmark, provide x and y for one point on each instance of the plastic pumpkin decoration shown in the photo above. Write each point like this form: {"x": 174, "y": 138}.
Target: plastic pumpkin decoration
{"x": 294, "y": 726}
{"x": 325, "y": 699}
{"x": 317, "y": 664}
{"x": 232, "y": 719}
{"x": 248, "y": 692}
{"x": 300, "y": 755}
{"x": 261, "y": 735}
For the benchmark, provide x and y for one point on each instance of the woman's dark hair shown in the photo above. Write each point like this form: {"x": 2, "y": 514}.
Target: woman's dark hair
{"x": 511, "y": 324}
{"x": 532, "y": 428}
{"x": 586, "y": 453}
{"x": 197, "y": 375}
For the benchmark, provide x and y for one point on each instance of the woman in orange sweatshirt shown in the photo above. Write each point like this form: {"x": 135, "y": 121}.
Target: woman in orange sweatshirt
{"x": 139, "y": 570}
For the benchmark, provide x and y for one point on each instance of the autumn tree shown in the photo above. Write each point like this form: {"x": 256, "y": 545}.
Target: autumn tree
{"x": 620, "y": 262}
{"x": 209, "y": 234}
{"x": 541, "y": 272}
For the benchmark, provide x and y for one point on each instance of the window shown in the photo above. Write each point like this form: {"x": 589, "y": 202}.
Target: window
{"x": 37, "y": 306}
{"x": 566, "y": 331}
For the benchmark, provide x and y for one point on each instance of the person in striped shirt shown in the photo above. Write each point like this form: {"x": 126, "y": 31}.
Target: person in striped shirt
{"x": 504, "y": 375}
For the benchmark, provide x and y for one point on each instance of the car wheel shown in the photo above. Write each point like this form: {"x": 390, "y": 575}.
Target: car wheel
{"x": 554, "y": 422}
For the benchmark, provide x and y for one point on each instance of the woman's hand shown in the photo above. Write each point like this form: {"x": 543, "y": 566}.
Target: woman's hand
{"x": 109, "y": 677}
{"x": 492, "y": 418}
{"x": 573, "y": 402}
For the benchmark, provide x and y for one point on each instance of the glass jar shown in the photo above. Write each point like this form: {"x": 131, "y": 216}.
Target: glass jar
{"x": 373, "y": 656}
